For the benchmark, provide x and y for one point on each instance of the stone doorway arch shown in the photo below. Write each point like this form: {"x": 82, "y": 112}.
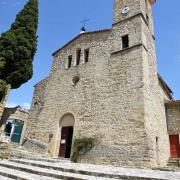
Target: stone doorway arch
{"x": 66, "y": 135}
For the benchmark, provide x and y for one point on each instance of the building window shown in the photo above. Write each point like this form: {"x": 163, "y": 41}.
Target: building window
{"x": 86, "y": 55}
{"x": 147, "y": 18}
{"x": 125, "y": 41}
{"x": 69, "y": 62}
{"x": 78, "y": 56}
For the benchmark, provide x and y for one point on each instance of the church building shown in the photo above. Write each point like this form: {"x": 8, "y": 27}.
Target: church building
{"x": 104, "y": 85}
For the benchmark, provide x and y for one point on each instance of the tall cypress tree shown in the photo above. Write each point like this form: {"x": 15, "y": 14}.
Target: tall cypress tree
{"x": 18, "y": 47}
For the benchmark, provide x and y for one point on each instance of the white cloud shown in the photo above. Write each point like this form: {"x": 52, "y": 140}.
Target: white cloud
{"x": 11, "y": 104}
{"x": 24, "y": 105}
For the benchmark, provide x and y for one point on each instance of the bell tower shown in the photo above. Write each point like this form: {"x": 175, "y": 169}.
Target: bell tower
{"x": 125, "y": 9}
{"x": 133, "y": 63}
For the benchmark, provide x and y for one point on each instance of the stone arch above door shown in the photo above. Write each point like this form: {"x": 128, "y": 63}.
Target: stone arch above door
{"x": 67, "y": 120}
{"x": 66, "y": 125}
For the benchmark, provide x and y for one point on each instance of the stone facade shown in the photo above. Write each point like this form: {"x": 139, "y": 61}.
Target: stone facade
{"x": 16, "y": 113}
{"x": 35, "y": 110}
{"x": 173, "y": 116}
{"x": 119, "y": 98}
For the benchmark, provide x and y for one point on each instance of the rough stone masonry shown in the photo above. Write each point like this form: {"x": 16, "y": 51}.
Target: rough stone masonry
{"x": 107, "y": 83}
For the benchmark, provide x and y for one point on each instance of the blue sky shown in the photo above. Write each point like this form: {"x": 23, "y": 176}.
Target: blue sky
{"x": 60, "y": 21}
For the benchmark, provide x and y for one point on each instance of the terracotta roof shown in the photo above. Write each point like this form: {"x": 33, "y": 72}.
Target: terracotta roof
{"x": 93, "y": 32}
{"x": 166, "y": 87}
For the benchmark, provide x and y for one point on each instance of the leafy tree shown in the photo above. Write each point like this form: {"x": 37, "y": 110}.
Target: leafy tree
{"x": 18, "y": 47}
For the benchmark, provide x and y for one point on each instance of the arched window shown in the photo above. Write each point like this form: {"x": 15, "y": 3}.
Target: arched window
{"x": 78, "y": 57}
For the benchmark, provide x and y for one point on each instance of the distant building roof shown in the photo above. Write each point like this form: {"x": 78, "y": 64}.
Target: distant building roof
{"x": 17, "y": 107}
{"x": 174, "y": 102}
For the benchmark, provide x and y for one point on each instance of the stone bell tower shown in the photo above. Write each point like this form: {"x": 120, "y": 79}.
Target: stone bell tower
{"x": 133, "y": 58}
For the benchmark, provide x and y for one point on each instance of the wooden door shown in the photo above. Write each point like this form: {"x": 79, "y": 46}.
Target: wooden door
{"x": 66, "y": 142}
{"x": 174, "y": 146}
{"x": 16, "y": 137}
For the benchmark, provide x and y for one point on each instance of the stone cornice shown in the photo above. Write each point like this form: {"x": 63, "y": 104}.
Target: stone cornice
{"x": 129, "y": 48}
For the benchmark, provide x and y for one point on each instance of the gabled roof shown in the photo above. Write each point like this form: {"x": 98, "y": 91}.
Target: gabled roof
{"x": 82, "y": 34}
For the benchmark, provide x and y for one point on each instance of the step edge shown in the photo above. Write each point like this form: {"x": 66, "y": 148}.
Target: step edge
{"x": 41, "y": 173}
{"x": 69, "y": 170}
{"x": 26, "y": 169}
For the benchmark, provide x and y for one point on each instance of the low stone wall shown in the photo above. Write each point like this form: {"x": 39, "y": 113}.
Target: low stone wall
{"x": 35, "y": 146}
{"x": 4, "y": 150}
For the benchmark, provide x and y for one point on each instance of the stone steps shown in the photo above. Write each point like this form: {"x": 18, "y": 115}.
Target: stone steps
{"x": 44, "y": 168}
{"x": 4, "y": 178}
{"x": 66, "y": 166}
{"x": 40, "y": 173}
{"x": 175, "y": 162}
{"x": 8, "y": 174}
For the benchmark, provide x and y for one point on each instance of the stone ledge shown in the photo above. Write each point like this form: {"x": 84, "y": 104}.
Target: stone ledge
{"x": 129, "y": 48}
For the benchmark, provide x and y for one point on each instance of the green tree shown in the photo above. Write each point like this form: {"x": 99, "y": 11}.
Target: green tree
{"x": 18, "y": 47}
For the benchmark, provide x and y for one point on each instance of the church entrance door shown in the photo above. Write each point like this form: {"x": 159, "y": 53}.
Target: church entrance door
{"x": 66, "y": 142}
{"x": 175, "y": 146}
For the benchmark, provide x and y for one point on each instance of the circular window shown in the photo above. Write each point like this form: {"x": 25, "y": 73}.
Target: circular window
{"x": 75, "y": 80}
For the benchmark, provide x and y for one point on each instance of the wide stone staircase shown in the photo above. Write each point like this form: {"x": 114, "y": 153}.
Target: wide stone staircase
{"x": 51, "y": 169}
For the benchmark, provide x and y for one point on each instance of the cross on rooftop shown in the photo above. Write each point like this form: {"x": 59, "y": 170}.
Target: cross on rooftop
{"x": 84, "y": 22}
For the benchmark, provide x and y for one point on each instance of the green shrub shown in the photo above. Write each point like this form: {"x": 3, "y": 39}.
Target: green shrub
{"x": 81, "y": 147}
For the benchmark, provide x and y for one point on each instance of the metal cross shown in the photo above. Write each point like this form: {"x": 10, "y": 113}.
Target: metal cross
{"x": 84, "y": 22}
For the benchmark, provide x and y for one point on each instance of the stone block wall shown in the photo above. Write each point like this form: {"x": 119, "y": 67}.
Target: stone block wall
{"x": 16, "y": 113}
{"x": 32, "y": 128}
{"x": 2, "y": 105}
{"x": 173, "y": 117}
{"x": 154, "y": 99}
{"x": 117, "y": 100}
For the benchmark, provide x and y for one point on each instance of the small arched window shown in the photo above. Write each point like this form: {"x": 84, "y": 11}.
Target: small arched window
{"x": 78, "y": 57}
{"x": 69, "y": 62}
{"x": 86, "y": 55}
